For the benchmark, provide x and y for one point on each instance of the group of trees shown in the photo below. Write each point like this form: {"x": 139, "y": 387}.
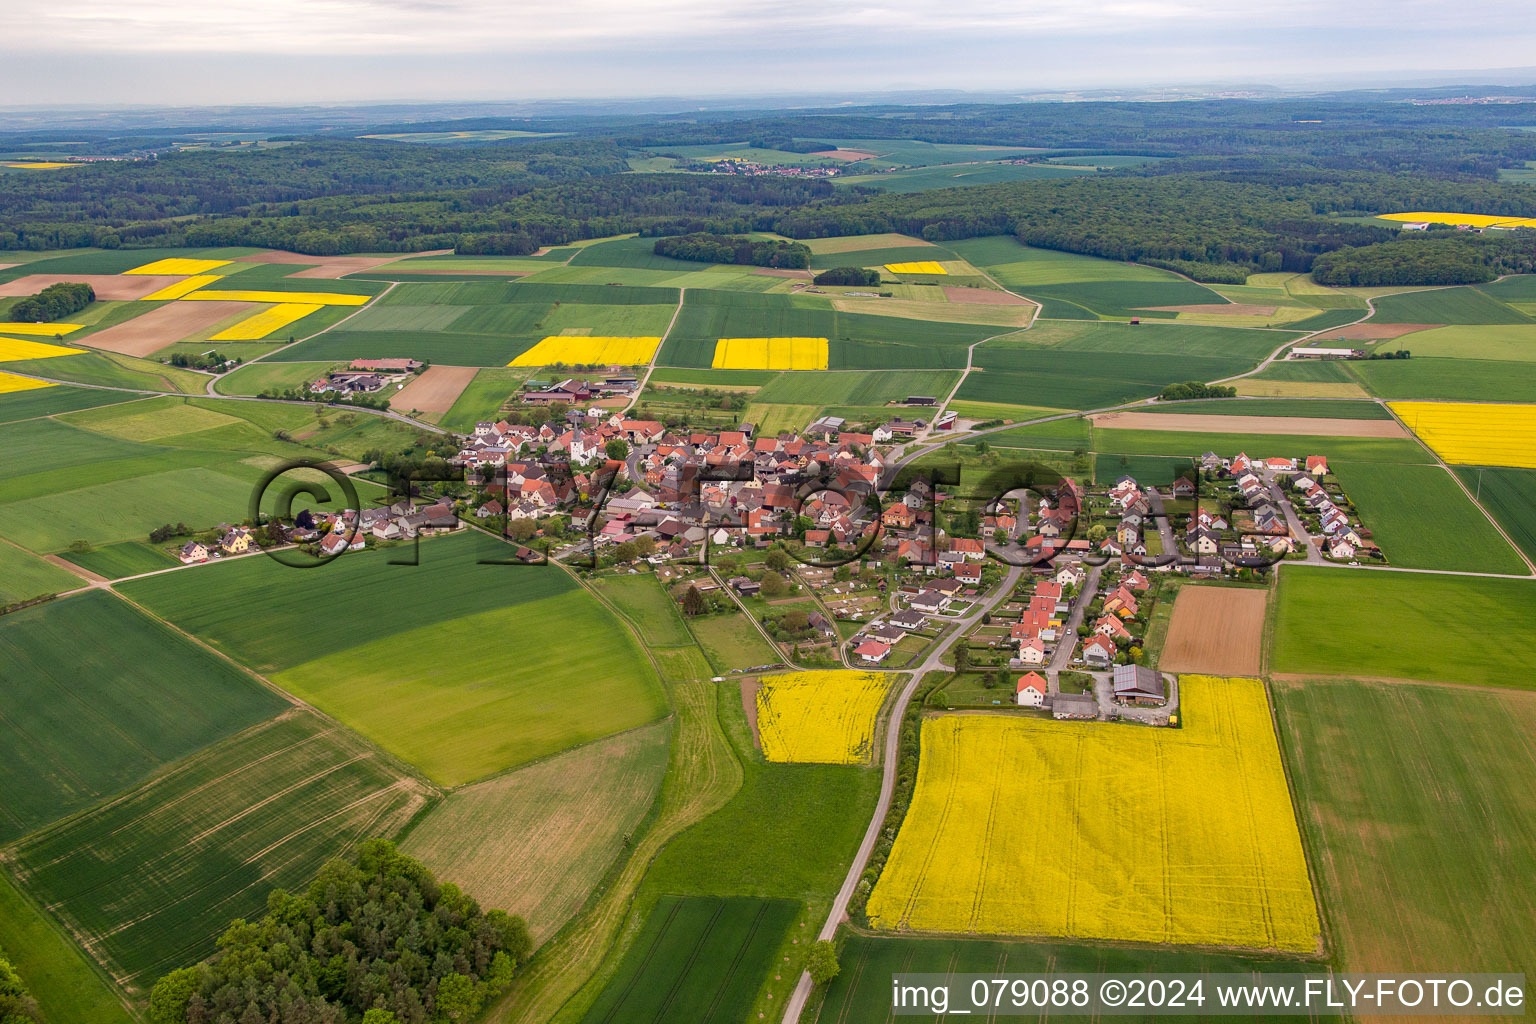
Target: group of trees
{"x": 1431, "y": 257}
{"x": 380, "y": 939}
{"x": 755, "y": 252}
{"x": 204, "y": 360}
{"x": 863, "y": 277}
{"x": 52, "y": 303}
{"x": 1186, "y": 390}
{"x": 16, "y": 1005}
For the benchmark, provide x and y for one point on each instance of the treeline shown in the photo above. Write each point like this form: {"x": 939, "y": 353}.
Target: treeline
{"x": 1189, "y": 389}
{"x": 788, "y": 144}
{"x": 52, "y": 303}
{"x": 755, "y": 252}
{"x": 1256, "y": 221}
{"x": 16, "y": 1005}
{"x": 865, "y": 277}
{"x": 1426, "y": 258}
{"x": 380, "y": 940}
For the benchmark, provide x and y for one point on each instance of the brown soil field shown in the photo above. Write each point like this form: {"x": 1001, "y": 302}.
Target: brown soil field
{"x": 1218, "y": 630}
{"x": 536, "y": 842}
{"x": 984, "y": 297}
{"x": 164, "y": 325}
{"x": 435, "y": 389}
{"x": 783, "y": 272}
{"x": 332, "y": 267}
{"x": 1375, "y": 332}
{"x": 1250, "y": 424}
{"x": 1216, "y": 309}
{"x": 106, "y": 286}
{"x": 845, "y": 154}
{"x": 749, "y": 688}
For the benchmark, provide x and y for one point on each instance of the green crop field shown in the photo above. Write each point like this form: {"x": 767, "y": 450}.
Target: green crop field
{"x": 1183, "y": 444}
{"x": 484, "y": 397}
{"x": 128, "y": 558}
{"x": 1077, "y": 287}
{"x": 1516, "y": 288}
{"x": 147, "y": 880}
{"x": 428, "y": 666}
{"x": 98, "y": 696}
{"x": 1242, "y": 347}
{"x": 25, "y": 405}
{"x": 730, "y": 379}
{"x": 940, "y": 176}
{"x": 1323, "y": 408}
{"x": 634, "y": 253}
{"x": 24, "y": 576}
{"x": 1067, "y": 434}
{"x": 254, "y": 378}
{"x": 1071, "y": 379}
{"x": 1462, "y": 629}
{"x": 697, "y": 959}
{"x": 863, "y": 389}
{"x": 861, "y": 993}
{"x": 1308, "y": 371}
{"x": 537, "y": 841}
{"x": 731, "y": 642}
{"x": 1510, "y": 494}
{"x": 1462, "y": 305}
{"x": 859, "y": 341}
{"x": 1510, "y": 343}
{"x": 1421, "y": 519}
{"x": 1415, "y": 803}
{"x": 65, "y": 984}
{"x": 111, "y": 370}
{"x": 1451, "y": 380}
{"x": 774, "y": 419}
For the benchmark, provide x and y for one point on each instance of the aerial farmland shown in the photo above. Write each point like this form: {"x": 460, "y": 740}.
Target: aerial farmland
{"x": 614, "y": 564}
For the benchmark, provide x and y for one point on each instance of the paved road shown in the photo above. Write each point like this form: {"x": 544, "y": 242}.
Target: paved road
{"x": 797, "y": 1000}
{"x": 1062, "y": 658}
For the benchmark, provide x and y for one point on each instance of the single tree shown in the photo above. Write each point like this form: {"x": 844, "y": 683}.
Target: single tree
{"x": 693, "y": 601}
{"x": 821, "y": 962}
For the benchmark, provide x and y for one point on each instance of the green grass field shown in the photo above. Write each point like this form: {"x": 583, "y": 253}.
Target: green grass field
{"x": 254, "y": 378}
{"x": 1415, "y": 803}
{"x": 697, "y": 959}
{"x": 1423, "y": 520}
{"x": 430, "y": 665}
{"x": 924, "y": 178}
{"x": 845, "y": 388}
{"x": 645, "y": 603}
{"x": 731, "y": 642}
{"x": 24, "y": 576}
{"x": 111, "y": 370}
{"x": 25, "y": 405}
{"x": 1183, "y": 444}
{"x": 861, "y": 993}
{"x": 1451, "y": 380}
{"x": 484, "y": 397}
{"x": 1511, "y": 343}
{"x": 1460, "y": 629}
{"x": 1510, "y": 494}
{"x": 147, "y": 880}
{"x": 128, "y": 558}
{"x": 1463, "y": 305}
{"x": 537, "y": 841}
{"x": 65, "y": 984}
{"x": 100, "y": 695}
{"x": 1322, "y": 408}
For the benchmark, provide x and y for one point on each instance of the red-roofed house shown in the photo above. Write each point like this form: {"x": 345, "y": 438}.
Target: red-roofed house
{"x": 1032, "y": 690}
{"x": 872, "y": 651}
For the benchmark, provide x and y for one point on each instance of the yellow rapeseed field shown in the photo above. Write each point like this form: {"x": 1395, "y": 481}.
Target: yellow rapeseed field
{"x": 820, "y": 717}
{"x": 10, "y": 382}
{"x": 254, "y": 328}
{"x": 1027, "y": 826}
{"x": 38, "y": 330}
{"x": 182, "y": 288}
{"x": 40, "y": 165}
{"x": 770, "y": 354}
{"x": 176, "y": 265}
{"x": 1474, "y": 220}
{"x": 595, "y": 350}
{"x": 12, "y": 349}
{"x": 309, "y": 298}
{"x": 919, "y": 267}
{"x": 1474, "y": 433}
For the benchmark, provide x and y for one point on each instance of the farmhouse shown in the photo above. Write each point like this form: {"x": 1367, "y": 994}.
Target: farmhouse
{"x": 1032, "y": 690}
{"x": 1326, "y": 353}
{"x": 387, "y": 365}
{"x": 1099, "y": 650}
{"x": 236, "y": 541}
{"x": 1138, "y": 684}
{"x": 192, "y": 551}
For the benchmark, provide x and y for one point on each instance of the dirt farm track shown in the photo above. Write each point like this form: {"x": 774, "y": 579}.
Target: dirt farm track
{"x": 1216, "y": 630}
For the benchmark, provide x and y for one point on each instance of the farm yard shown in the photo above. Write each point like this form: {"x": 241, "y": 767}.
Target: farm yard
{"x": 990, "y": 788}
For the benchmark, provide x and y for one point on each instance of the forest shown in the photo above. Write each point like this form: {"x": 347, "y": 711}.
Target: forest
{"x": 754, "y": 252}
{"x": 379, "y": 939}
{"x": 53, "y": 302}
{"x": 1438, "y": 257}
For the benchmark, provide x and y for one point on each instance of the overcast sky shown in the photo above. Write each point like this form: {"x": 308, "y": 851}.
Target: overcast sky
{"x": 286, "y": 51}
